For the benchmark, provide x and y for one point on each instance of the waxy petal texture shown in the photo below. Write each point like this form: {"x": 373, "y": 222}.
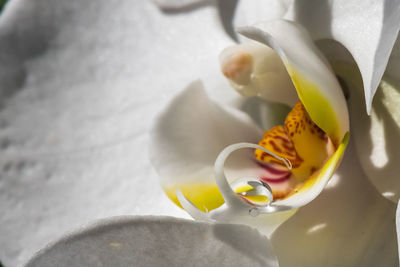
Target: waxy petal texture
{"x": 349, "y": 224}
{"x": 398, "y": 226}
{"x": 80, "y": 84}
{"x": 191, "y": 132}
{"x": 376, "y": 136}
{"x": 178, "y": 4}
{"x": 252, "y": 12}
{"x": 368, "y": 29}
{"x": 157, "y": 241}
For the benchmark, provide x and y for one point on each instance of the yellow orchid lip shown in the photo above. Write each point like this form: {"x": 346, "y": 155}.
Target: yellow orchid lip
{"x": 301, "y": 142}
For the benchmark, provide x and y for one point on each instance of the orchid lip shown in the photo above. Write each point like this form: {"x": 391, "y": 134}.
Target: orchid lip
{"x": 234, "y": 204}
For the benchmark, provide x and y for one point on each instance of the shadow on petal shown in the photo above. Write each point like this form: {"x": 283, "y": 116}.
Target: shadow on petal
{"x": 265, "y": 114}
{"x": 257, "y": 248}
{"x": 157, "y": 241}
{"x": 347, "y": 225}
{"x": 377, "y": 136}
{"x": 377, "y": 141}
{"x": 175, "y": 7}
{"x": 345, "y": 21}
{"x": 226, "y": 10}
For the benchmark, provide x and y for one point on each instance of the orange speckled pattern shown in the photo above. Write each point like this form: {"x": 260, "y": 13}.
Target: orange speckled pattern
{"x": 298, "y": 121}
{"x": 277, "y": 141}
{"x": 300, "y": 141}
{"x": 309, "y": 140}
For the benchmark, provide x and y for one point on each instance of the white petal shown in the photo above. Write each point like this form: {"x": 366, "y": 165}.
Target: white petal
{"x": 398, "y": 226}
{"x": 190, "y": 133}
{"x": 392, "y": 69}
{"x": 349, "y": 224}
{"x": 251, "y": 12}
{"x": 368, "y": 29}
{"x": 158, "y": 241}
{"x": 378, "y": 139}
{"x": 376, "y": 136}
{"x": 76, "y": 107}
{"x": 311, "y": 74}
{"x": 178, "y": 4}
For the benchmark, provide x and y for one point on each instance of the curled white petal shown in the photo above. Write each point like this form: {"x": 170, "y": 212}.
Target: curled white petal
{"x": 316, "y": 84}
{"x": 234, "y": 205}
{"x": 190, "y": 208}
{"x": 229, "y": 196}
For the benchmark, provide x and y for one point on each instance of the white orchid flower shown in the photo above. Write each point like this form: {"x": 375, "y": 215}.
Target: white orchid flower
{"x": 302, "y": 155}
{"x": 371, "y": 61}
{"x": 80, "y": 84}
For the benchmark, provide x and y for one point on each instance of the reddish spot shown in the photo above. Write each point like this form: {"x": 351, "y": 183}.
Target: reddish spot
{"x": 273, "y": 175}
{"x": 276, "y": 181}
{"x": 272, "y": 170}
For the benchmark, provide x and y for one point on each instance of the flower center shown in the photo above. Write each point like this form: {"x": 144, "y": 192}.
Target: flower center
{"x": 300, "y": 141}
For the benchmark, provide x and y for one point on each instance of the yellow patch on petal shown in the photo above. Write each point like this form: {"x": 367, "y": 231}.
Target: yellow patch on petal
{"x": 255, "y": 199}
{"x": 328, "y": 168}
{"x": 310, "y": 142}
{"x": 319, "y": 108}
{"x": 206, "y": 197}
{"x": 300, "y": 141}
